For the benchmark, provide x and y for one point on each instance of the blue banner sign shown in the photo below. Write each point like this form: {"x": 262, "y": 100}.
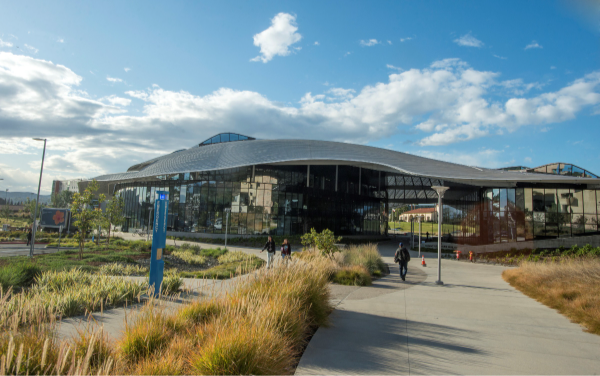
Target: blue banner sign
{"x": 159, "y": 240}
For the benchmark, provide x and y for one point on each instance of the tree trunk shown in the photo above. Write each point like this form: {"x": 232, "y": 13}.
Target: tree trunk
{"x": 108, "y": 238}
{"x": 98, "y": 238}
{"x": 81, "y": 248}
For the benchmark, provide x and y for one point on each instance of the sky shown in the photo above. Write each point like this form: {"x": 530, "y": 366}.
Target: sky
{"x": 111, "y": 84}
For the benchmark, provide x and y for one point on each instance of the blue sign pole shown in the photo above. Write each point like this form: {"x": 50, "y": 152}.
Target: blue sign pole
{"x": 159, "y": 240}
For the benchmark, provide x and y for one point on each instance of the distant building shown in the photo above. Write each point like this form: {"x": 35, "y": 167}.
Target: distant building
{"x": 426, "y": 214}
{"x": 65, "y": 185}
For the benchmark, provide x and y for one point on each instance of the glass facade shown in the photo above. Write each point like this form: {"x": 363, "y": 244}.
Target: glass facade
{"x": 263, "y": 200}
{"x": 287, "y": 200}
{"x": 517, "y": 214}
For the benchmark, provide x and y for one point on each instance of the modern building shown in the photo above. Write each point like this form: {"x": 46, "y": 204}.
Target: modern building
{"x": 291, "y": 186}
{"x": 66, "y": 185}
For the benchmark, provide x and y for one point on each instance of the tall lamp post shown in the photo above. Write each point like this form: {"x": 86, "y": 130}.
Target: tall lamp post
{"x": 37, "y": 201}
{"x": 440, "y": 191}
{"x": 227, "y": 210}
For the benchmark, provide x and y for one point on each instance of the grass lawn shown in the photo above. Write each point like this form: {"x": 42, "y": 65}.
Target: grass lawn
{"x": 425, "y": 227}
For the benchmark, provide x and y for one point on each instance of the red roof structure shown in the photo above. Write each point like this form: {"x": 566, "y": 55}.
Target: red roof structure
{"x": 420, "y": 211}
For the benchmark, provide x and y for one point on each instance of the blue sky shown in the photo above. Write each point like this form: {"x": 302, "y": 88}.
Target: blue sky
{"x": 113, "y": 83}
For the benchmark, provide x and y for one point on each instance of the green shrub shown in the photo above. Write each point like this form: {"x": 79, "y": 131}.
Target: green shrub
{"x": 213, "y": 252}
{"x": 189, "y": 257}
{"x": 18, "y": 275}
{"x": 171, "y": 282}
{"x": 352, "y": 276}
{"x": 117, "y": 269}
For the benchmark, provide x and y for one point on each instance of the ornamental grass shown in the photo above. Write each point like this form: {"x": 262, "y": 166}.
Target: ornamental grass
{"x": 571, "y": 286}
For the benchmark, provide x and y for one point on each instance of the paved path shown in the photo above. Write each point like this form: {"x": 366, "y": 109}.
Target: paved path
{"x": 475, "y": 324}
{"x": 7, "y": 250}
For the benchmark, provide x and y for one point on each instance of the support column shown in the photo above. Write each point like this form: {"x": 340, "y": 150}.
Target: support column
{"x": 252, "y": 181}
{"x": 307, "y": 176}
{"x": 359, "y": 179}
{"x": 336, "y": 177}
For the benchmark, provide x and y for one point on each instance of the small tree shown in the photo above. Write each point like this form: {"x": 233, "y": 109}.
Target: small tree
{"x": 6, "y": 212}
{"x": 29, "y": 209}
{"x": 324, "y": 241}
{"x": 62, "y": 199}
{"x": 84, "y": 214}
{"x": 114, "y": 214}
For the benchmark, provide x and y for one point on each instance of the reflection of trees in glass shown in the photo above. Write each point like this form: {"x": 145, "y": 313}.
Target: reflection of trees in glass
{"x": 554, "y": 217}
{"x": 580, "y": 222}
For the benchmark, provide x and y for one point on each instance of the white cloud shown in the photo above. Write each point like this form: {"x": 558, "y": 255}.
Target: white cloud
{"x": 116, "y": 101}
{"x": 340, "y": 93}
{"x": 113, "y": 79}
{"x": 468, "y": 40}
{"x": 276, "y": 40}
{"x": 369, "y": 43}
{"x": 390, "y": 66}
{"x": 31, "y": 48}
{"x": 5, "y": 44}
{"x": 552, "y": 67}
{"x": 500, "y": 57}
{"x": 405, "y": 39}
{"x": 126, "y": 69}
{"x": 347, "y": 53}
{"x": 316, "y": 43}
{"x": 447, "y": 102}
{"x": 527, "y": 159}
{"x": 533, "y": 44}
{"x": 60, "y": 40}
{"x": 389, "y": 42}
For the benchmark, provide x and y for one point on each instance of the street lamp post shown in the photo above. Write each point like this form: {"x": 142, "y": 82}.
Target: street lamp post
{"x": 440, "y": 191}
{"x": 37, "y": 201}
{"x": 226, "y": 225}
{"x": 419, "y": 236}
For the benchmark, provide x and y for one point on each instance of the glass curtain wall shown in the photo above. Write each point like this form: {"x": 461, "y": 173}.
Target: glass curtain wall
{"x": 518, "y": 214}
{"x": 263, "y": 200}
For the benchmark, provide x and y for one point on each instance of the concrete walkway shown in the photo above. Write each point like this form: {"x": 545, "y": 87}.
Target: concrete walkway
{"x": 475, "y": 324}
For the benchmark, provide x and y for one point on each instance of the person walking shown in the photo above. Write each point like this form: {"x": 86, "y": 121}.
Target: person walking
{"x": 402, "y": 257}
{"x": 28, "y": 236}
{"x": 286, "y": 251}
{"x": 270, "y": 247}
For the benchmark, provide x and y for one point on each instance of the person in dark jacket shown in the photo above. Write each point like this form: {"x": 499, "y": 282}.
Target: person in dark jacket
{"x": 270, "y": 247}
{"x": 28, "y": 236}
{"x": 402, "y": 257}
{"x": 286, "y": 250}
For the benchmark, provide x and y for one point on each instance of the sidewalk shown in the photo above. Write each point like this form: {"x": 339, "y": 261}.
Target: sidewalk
{"x": 474, "y": 324}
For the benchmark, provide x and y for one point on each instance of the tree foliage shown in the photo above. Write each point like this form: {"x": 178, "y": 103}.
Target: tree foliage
{"x": 29, "y": 209}
{"x": 62, "y": 199}
{"x": 114, "y": 213}
{"x": 324, "y": 241}
{"x": 6, "y": 212}
{"x": 85, "y": 215}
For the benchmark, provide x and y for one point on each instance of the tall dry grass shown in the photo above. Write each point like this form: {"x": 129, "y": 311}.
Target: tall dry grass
{"x": 260, "y": 327}
{"x": 572, "y": 286}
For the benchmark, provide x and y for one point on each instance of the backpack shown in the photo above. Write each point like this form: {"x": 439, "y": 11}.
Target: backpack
{"x": 406, "y": 255}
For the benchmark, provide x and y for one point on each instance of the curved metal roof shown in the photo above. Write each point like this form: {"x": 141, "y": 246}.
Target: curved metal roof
{"x": 239, "y": 154}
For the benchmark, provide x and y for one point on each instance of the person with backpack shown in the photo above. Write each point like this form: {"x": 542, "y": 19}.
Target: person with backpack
{"x": 28, "y": 236}
{"x": 286, "y": 250}
{"x": 402, "y": 257}
{"x": 270, "y": 247}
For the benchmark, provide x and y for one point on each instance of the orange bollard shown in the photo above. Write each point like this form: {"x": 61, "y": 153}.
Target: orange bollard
{"x": 423, "y": 262}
